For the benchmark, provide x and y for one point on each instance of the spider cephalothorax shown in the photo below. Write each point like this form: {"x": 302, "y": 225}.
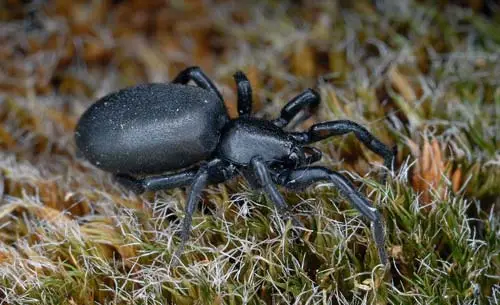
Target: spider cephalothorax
{"x": 176, "y": 135}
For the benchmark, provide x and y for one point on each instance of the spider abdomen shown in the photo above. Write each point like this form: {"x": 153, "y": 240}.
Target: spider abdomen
{"x": 151, "y": 128}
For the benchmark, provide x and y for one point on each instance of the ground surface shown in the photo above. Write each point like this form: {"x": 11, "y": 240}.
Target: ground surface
{"x": 419, "y": 76}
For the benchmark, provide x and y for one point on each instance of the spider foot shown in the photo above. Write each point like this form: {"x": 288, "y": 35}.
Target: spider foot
{"x": 390, "y": 164}
{"x": 297, "y": 225}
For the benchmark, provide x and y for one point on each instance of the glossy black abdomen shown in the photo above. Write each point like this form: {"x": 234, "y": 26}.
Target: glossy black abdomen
{"x": 151, "y": 128}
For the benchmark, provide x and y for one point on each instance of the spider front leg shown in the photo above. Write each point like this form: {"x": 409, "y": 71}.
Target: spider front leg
{"x": 201, "y": 79}
{"x": 325, "y": 130}
{"x": 309, "y": 98}
{"x": 301, "y": 178}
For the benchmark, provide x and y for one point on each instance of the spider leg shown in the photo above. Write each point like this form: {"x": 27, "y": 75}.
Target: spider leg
{"x": 303, "y": 177}
{"x": 335, "y": 128}
{"x": 215, "y": 171}
{"x": 197, "y": 186}
{"x": 198, "y": 180}
{"x": 156, "y": 183}
{"x": 309, "y": 98}
{"x": 264, "y": 180}
{"x": 244, "y": 94}
{"x": 201, "y": 79}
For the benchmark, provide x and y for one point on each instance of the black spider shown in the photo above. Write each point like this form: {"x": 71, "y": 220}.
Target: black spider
{"x": 139, "y": 133}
